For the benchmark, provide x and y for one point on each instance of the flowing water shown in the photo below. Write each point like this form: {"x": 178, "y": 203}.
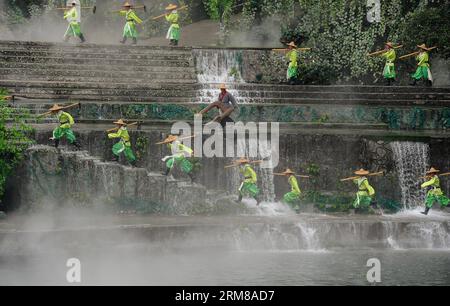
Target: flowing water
{"x": 286, "y": 250}
{"x": 412, "y": 162}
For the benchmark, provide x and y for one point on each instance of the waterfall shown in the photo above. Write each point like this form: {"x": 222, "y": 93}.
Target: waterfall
{"x": 218, "y": 66}
{"x": 412, "y": 161}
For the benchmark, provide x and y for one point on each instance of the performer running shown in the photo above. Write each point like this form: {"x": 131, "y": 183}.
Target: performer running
{"x": 173, "y": 34}
{"x": 64, "y": 129}
{"x": 124, "y": 144}
{"x": 180, "y": 156}
{"x": 129, "y": 30}
{"x": 226, "y": 105}
{"x": 435, "y": 194}
{"x": 74, "y": 19}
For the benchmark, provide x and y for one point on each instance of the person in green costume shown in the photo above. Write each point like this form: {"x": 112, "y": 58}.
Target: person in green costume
{"x": 423, "y": 71}
{"x": 435, "y": 194}
{"x": 292, "y": 56}
{"x": 65, "y": 126}
{"x": 389, "y": 67}
{"x": 180, "y": 156}
{"x": 248, "y": 186}
{"x": 129, "y": 30}
{"x": 366, "y": 193}
{"x": 173, "y": 34}
{"x": 292, "y": 198}
{"x": 73, "y": 30}
{"x": 124, "y": 144}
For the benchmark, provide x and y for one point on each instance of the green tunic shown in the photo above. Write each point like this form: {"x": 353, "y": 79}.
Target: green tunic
{"x": 365, "y": 193}
{"x": 389, "y": 67}
{"x": 129, "y": 30}
{"x": 435, "y": 194}
{"x": 124, "y": 145}
{"x": 248, "y": 186}
{"x": 64, "y": 129}
{"x": 292, "y": 71}
{"x": 174, "y": 31}
{"x": 292, "y": 198}
{"x": 423, "y": 69}
{"x": 180, "y": 157}
{"x": 74, "y": 28}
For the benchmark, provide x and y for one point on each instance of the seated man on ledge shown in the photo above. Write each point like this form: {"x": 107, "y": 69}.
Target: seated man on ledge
{"x": 226, "y": 104}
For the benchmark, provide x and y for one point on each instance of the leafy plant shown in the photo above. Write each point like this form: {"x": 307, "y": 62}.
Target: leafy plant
{"x": 14, "y": 138}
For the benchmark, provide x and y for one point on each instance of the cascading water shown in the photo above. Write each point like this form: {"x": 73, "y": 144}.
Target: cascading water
{"x": 218, "y": 66}
{"x": 412, "y": 161}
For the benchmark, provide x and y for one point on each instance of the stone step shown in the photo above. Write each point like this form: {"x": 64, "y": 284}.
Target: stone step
{"x": 162, "y": 56}
{"x": 93, "y": 61}
{"x": 330, "y": 88}
{"x": 91, "y": 48}
{"x": 58, "y": 85}
{"x": 98, "y": 78}
{"x": 343, "y": 95}
{"x": 94, "y": 68}
{"x": 183, "y": 97}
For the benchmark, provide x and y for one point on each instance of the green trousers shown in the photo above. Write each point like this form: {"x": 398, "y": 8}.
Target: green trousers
{"x": 249, "y": 189}
{"x": 120, "y": 147}
{"x": 73, "y": 29}
{"x": 362, "y": 201}
{"x": 292, "y": 199}
{"x": 59, "y": 133}
{"x": 292, "y": 71}
{"x": 129, "y": 30}
{"x": 185, "y": 165}
{"x": 421, "y": 73}
{"x": 440, "y": 199}
{"x": 174, "y": 33}
{"x": 389, "y": 71}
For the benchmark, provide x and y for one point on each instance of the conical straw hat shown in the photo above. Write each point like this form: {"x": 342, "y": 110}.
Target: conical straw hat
{"x": 169, "y": 139}
{"x": 362, "y": 172}
{"x": 55, "y": 108}
{"x": 287, "y": 172}
{"x": 171, "y": 7}
{"x": 222, "y": 86}
{"x": 433, "y": 170}
{"x": 292, "y": 44}
{"x": 120, "y": 122}
{"x": 127, "y": 4}
{"x": 242, "y": 160}
{"x": 390, "y": 44}
{"x": 423, "y": 47}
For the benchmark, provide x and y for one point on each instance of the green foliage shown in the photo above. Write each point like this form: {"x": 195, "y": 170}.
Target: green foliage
{"x": 13, "y": 138}
{"x": 142, "y": 145}
{"x": 219, "y": 9}
{"x": 428, "y": 25}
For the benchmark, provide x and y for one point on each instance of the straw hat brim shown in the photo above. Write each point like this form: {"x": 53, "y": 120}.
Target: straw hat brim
{"x": 55, "y": 108}
{"x": 242, "y": 161}
{"x": 171, "y": 7}
{"x": 168, "y": 140}
{"x": 423, "y": 47}
{"x": 126, "y": 4}
{"x": 292, "y": 44}
{"x": 362, "y": 172}
{"x": 120, "y": 122}
{"x": 432, "y": 170}
{"x": 390, "y": 44}
{"x": 222, "y": 86}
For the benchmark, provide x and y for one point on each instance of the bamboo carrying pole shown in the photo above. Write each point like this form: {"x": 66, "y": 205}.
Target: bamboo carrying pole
{"x": 443, "y": 174}
{"x": 356, "y": 177}
{"x": 182, "y": 138}
{"x": 415, "y": 53}
{"x": 297, "y": 175}
{"x": 94, "y": 8}
{"x": 283, "y": 50}
{"x": 64, "y": 107}
{"x": 116, "y": 128}
{"x": 134, "y": 8}
{"x": 162, "y": 15}
{"x": 237, "y": 164}
{"x": 383, "y": 51}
